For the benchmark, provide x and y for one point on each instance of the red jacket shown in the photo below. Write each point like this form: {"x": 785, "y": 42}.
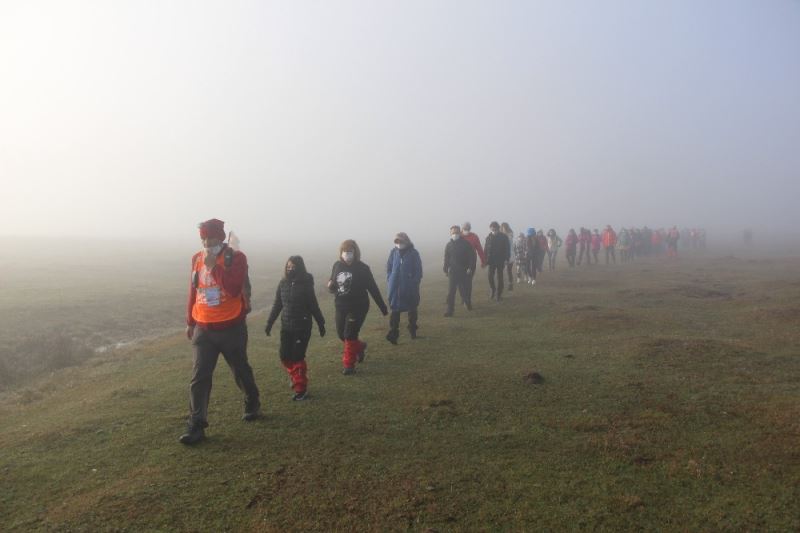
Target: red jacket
{"x": 609, "y": 237}
{"x": 231, "y": 280}
{"x": 475, "y": 241}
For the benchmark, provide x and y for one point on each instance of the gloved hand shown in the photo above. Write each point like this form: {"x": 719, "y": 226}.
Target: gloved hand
{"x": 322, "y": 330}
{"x": 268, "y": 329}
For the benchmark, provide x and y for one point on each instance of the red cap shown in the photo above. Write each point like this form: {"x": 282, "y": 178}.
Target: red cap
{"x": 213, "y": 229}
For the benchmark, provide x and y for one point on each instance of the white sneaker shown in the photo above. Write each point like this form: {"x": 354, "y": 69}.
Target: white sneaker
{"x": 533, "y": 282}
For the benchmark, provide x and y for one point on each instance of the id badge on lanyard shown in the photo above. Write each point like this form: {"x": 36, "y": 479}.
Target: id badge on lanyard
{"x": 212, "y": 296}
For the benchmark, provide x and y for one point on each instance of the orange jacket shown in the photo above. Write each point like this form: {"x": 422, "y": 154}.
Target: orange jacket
{"x": 609, "y": 237}
{"x": 216, "y": 299}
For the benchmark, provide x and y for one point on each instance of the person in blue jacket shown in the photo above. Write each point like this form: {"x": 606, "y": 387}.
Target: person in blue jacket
{"x": 403, "y": 274}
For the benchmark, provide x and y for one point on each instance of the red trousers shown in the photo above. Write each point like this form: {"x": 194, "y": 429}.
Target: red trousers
{"x": 297, "y": 371}
{"x": 351, "y": 350}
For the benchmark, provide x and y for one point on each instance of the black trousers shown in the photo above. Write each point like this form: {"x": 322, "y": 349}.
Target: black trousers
{"x": 207, "y": 345}
{"x": 531, "y": 267}
{"x": 496, "y": 271}
{"x": 610, "y": 251}
{"x": 294, "y": 344}
{"x": 463, "y": 283}
{"x": 394, "y": 322}
{"x": 571, "y": 256}
{"x": 349, "y": 322}
{"x": 467, "y": 288}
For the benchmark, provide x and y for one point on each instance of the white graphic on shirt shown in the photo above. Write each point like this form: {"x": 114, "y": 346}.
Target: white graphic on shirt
{"x": 210, "y": 294}
{"x": 343, "y": 281}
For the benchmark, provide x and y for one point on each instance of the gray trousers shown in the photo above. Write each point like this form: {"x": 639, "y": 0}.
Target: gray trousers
{"x": 207, "y": 345}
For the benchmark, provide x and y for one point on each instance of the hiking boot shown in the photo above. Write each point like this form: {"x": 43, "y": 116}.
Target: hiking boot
{"x": 251, "y": 412}
{"x": 348, "y": 371}
{"x": 363, "y": 353}
{"x": 194, "y": 434}
{"x": 300, "y": 396}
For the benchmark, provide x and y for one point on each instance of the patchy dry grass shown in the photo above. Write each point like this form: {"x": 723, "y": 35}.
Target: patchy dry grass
{"x": 642, "y": 397}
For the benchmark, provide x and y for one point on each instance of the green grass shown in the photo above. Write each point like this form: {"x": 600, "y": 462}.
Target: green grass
{"x": 670, "y": 401}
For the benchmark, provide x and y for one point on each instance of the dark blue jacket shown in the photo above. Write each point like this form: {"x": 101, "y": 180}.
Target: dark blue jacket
{"x": 404, "y": 273}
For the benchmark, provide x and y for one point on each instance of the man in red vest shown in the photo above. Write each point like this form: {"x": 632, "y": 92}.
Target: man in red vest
{"x": 215, "y": 323}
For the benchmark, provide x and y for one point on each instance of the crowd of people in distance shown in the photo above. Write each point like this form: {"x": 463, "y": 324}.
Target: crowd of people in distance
{"x": 219, "y": 294}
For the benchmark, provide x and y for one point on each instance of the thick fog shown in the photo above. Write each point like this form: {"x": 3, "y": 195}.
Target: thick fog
{"x": 324, "y": 120}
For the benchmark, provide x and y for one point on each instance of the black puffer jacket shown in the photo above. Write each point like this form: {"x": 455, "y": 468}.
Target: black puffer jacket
{"x": 298, "y": 302}
{"x": 497, "y": 248}
{"x": 459, "y": 256}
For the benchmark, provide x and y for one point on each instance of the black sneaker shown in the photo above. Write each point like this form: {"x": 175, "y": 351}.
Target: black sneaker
{"x": 363, "y": 353}
{"x": 348, "y": 371}
{"x": 194, "y": 434}
{"x": 412, "y": 333}
{"x": 448, "y": 314}
{"x": 251, "y": 413}
{"x": 392, "y": 337}
{"x": 300, "y": 396}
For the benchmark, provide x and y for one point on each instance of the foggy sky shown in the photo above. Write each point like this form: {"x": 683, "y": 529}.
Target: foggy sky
{"x": 293, "y": 120}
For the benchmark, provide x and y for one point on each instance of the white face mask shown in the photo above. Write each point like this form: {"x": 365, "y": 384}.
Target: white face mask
{"x": 400, "y": 246}
{"x": 214, "y": 250}
{"x": 455, "y": 236}
{"x": 347, "y": 257}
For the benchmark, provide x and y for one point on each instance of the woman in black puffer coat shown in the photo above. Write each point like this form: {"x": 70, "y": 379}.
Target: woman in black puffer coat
{"x": 296, "y": 299}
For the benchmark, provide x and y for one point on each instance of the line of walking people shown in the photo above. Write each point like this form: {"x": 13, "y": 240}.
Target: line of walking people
{"x": 219, "y": 300}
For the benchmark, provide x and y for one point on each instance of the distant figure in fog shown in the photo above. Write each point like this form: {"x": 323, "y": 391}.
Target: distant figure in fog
{"x": 460, "y": 260}
{"x": 216, "y": 323}
{"x": 554, "y": 242}
{"x": 542, "y": 250}
{"x": 596, "y": 242}
{"x": 505, "y": 228}
{"x": 475, "y": 242}
{"x": 609, "y": 243}
{"x": 352, "y": 283}
{"x": 584, "y": 242}
{"x": 498, "y": 252}
{"x": 673, "y": 236}
{"x": 747, "y": 237}
{"x": 532, "y": 249}
{"x": 403, "y": 276}
{"x": 296, "y": 303}
{"x": 520, "y": 256}
{"x": 571, "y": 243}
{"x": 624, "y": 245}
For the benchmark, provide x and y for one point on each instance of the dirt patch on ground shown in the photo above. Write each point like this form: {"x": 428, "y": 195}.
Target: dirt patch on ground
{"x": 686, "y": 291}
{"x": 592, "y": 317}
{"x": 781, "y": 314}
{"x": 696, "y": 291}
{"x": 688, "y": 348}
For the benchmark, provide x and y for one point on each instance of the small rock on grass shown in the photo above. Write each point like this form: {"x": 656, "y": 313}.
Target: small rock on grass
{"x": 533, "y": 378}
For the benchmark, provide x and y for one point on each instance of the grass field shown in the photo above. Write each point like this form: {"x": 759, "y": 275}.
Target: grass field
{"x": 670, "y": 400}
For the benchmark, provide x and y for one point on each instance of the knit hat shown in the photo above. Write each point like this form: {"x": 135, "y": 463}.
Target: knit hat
{"x": 212, "y": 229}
